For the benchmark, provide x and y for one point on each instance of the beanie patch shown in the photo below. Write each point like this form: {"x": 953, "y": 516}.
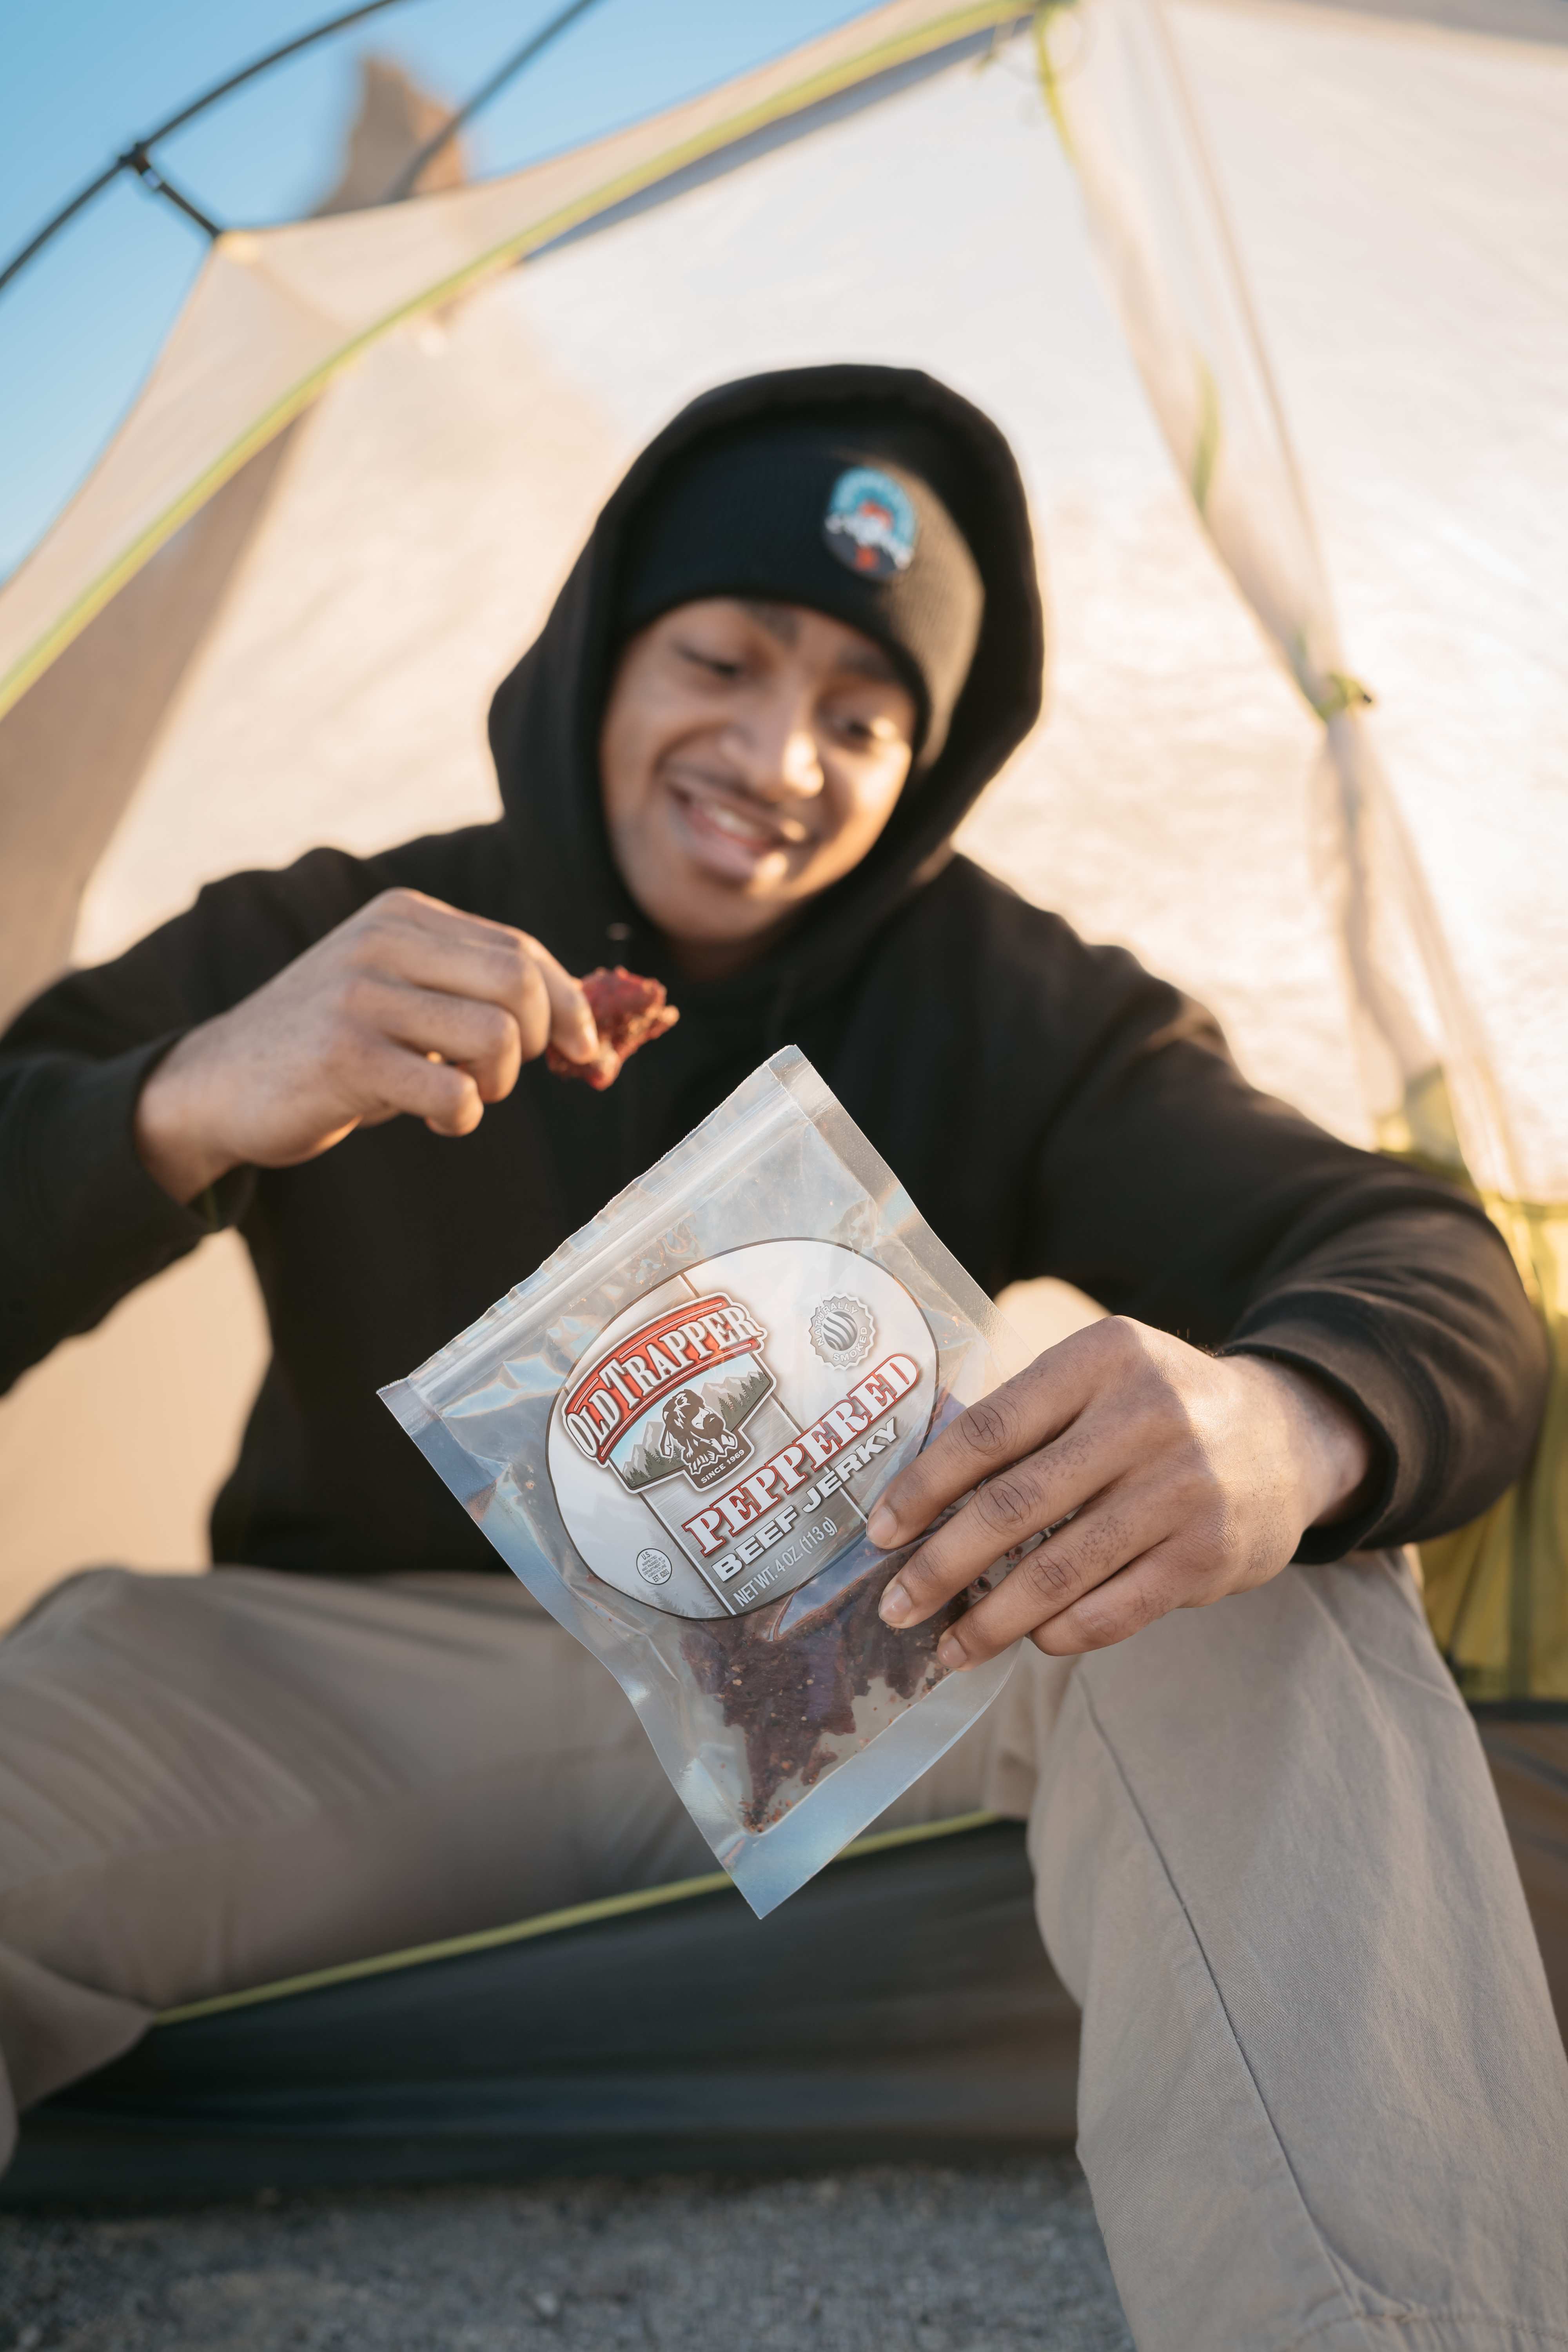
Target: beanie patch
{"x": 842, "y": 518}
{"x": 870, "y": 523}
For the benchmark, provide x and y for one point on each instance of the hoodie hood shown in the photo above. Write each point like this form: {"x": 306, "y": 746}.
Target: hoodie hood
{"x": 545, "y": 717}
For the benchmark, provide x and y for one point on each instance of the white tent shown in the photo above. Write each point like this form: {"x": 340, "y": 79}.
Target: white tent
{"x": 899, "y": 191}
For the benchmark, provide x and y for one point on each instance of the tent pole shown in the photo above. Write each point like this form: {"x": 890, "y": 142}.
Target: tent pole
{"x": 136, "y": 157}
{"x": 407, "y": 179}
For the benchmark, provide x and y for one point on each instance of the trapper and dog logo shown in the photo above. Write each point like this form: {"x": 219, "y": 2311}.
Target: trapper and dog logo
{"x": 672, "y": 1396}
{"x": 700, "y": 1437}
{"x": 870, "y": 522}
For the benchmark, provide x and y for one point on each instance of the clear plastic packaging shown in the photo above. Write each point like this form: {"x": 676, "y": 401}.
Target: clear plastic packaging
{"x": 674, "y": 1433}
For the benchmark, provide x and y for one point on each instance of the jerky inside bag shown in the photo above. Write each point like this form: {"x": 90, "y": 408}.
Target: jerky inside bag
{"x": 674, "y": 1434}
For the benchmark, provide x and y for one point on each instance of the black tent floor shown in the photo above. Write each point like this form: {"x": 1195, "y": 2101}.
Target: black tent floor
{"x": 1527, "y": 1749}
{"x": 899, "y": 2007}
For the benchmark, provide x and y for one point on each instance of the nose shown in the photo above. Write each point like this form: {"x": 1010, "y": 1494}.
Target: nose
{"x": 776, "y": 747}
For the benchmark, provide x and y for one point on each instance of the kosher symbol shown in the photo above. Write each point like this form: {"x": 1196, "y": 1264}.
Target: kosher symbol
{"x": 843, "y": 1332}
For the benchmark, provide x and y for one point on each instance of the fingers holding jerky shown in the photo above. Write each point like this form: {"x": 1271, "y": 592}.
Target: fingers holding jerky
{"x": 408, "y": 1006}
{"x": 422, "y": 1085}
{"x": 572, "y": 1027}
{"x": 407, "y": 941}
{"x": 628, "y": 1011}
{"x": 468, "y": 1033}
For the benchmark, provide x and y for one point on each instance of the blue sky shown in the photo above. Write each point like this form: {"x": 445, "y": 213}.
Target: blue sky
{"x": 83, "y": 78}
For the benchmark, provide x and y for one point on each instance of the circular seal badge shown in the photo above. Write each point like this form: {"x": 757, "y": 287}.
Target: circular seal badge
{"x": 870, "y": 523}
{"x": 721, "y": 1440}
{"x": 843, "y": 1331}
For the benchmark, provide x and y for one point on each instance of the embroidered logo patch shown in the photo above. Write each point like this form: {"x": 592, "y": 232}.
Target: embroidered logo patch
{"x": 870, "y": 524}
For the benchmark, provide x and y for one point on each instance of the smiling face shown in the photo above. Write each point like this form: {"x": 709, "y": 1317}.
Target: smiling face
{"x": 750, "y": 755}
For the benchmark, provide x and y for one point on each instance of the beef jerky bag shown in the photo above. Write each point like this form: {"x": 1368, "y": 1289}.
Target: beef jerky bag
{"x": 674, "y": 1433}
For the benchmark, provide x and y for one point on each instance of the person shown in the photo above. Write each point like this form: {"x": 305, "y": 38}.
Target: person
{"x": 1323, "y": 2095}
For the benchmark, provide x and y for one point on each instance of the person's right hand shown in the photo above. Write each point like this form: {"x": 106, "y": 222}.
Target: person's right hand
{"x": 408, "y": 1006}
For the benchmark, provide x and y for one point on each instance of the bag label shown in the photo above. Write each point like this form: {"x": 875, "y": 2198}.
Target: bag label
{"x": 725, "y": 1438}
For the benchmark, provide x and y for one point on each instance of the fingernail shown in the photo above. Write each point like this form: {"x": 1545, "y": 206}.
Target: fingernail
{"x": 882, "y": 1528}
{"x": 950, "y": 1653}
{"x": 895, "y": 1604}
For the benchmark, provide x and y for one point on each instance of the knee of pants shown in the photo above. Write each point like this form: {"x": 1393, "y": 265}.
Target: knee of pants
{"x": 1295, "y": 1754}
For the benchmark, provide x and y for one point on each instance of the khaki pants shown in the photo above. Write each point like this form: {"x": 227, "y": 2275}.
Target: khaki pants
{"x": 1323, "y": 2098}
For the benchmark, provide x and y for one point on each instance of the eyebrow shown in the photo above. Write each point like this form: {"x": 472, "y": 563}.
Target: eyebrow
{"x": 783, "y": 622}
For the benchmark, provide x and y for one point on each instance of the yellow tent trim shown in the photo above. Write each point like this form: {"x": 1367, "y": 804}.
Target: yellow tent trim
{"x": 882, "y": 56}
{"x": 548, "y": 1923}
{"x": 1497, "y": 1590}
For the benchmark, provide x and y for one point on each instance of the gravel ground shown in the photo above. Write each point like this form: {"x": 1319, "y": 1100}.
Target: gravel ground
{"x": 881, "y": 2260}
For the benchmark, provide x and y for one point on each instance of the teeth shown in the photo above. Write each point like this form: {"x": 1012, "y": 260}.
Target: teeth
{"x": 730, "y": 821}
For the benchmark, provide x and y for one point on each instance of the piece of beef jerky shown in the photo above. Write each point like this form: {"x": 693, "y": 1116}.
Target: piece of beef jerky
{"x": 792, "y": 1694}
{"x": 787, "y": 1676}
{"x": 628, "y": 1011}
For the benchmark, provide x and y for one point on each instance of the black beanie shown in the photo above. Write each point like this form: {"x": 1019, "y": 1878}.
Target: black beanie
{"x": 846, "y": 519}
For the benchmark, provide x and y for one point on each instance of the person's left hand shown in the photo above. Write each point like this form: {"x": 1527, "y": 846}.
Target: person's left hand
{"x": 1181, "y": 1476}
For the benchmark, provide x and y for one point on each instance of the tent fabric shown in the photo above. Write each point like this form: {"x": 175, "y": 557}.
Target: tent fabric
{"x": 426, "y": 502}
{"x": 901, "y": 2005}
{"x": 75, "y": 747}
{"x": 1498, "y": 1589}
{"x": 276, "y": 312}
{"x": 77, "y": 741}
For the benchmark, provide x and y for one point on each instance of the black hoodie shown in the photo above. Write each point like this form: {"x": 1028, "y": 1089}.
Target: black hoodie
{"x": 1052, "y": 1108}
